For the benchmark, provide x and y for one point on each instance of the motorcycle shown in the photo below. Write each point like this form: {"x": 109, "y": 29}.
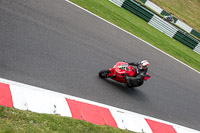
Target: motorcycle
{"x": 169, "y": 19}
{"x": 119, "y": 71}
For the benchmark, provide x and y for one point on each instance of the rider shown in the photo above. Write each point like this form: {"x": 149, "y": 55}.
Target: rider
{"x": 170, "y": 18}
{"x": 142, "y": 68}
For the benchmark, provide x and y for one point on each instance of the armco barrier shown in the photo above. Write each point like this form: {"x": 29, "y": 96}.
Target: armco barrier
{"x": 143, "y": 1}
{"x": 117, "y": 2}
{"x": 164, "y": 13}
{"x": 137, "y": 10}
{"x": 184, "y": 26}
{"x": 154, "y": 7}
{"x": 185, "y": 39}
{"x": 195, "y": 33}
{"x": 160, "y": 24}
{"x": 159, "y": 10}
{"x": 163, "y": 26}
{"x": 197, "y": 49}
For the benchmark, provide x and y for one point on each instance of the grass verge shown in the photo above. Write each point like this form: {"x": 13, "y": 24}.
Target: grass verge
{"x": 17, "y": 121}
{"x": 13, "y": 120}
{"x": 185, "y": 10}
{"x": 141, "y": 29}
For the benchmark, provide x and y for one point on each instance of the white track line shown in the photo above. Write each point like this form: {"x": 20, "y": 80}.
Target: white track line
{"x": 132, "y": 35}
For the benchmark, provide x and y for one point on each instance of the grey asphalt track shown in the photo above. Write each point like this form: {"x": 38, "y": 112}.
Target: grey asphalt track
{"x": 57, "y": 46}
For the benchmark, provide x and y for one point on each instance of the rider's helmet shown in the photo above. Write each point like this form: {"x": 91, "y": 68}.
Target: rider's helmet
{"x": 144, "y": 64}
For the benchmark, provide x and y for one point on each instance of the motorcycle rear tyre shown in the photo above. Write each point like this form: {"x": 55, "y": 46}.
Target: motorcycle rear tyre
{"x": 129, "y": 85}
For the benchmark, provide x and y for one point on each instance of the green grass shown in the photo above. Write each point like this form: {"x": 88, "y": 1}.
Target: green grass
{"x": 16, "y": 121}
{"x": 13, "y": 120}
{"x": 140, "y": 28}
{"x": 187, "y": 11}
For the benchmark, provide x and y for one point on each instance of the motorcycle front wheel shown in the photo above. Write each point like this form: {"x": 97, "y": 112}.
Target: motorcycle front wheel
{"x": 103, "y": 73}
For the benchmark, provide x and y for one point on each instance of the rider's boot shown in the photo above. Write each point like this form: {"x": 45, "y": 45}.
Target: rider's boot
{"x": 127, "y": 78}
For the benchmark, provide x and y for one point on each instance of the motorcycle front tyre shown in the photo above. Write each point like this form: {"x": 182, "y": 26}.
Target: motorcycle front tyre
{"x": 103, "y": 73}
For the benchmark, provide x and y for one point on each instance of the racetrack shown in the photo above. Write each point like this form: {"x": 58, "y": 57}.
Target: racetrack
{"x": 57, "y": 46}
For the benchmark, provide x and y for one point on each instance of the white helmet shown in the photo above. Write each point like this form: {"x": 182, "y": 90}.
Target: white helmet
{"x": 144, "y": 64}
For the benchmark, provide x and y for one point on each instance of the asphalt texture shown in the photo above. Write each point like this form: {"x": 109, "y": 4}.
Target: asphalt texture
{"x": 57, "y": 46}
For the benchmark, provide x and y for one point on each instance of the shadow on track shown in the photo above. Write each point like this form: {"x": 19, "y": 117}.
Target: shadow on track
{"x": 135, "y": 93}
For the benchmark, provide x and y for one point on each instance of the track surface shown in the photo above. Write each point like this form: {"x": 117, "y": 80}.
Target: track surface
{"x": 57, "y": 46}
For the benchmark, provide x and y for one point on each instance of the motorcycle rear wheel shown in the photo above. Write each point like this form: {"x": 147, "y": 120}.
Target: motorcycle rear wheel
{"x": 103, "y": 74}
{"x": 129, "y": 85}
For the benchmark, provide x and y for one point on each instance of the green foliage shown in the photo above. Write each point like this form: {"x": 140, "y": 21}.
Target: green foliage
{"x": 185, "y": 10}
{"x": 140, "y": 28}
{"x": 17, "y": 121}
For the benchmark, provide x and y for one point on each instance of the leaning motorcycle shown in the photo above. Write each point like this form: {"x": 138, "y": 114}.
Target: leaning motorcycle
{"x": 119, "y": 71}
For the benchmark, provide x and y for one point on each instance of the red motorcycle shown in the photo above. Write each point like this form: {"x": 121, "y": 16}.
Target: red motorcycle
{"x": 118, "y": 72}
